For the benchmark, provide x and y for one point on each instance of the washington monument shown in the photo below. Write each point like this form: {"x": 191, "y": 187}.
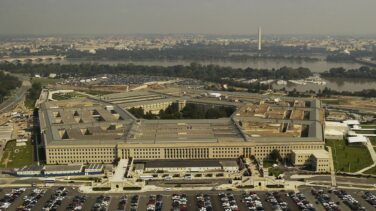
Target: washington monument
{"x": 259, "y": 38}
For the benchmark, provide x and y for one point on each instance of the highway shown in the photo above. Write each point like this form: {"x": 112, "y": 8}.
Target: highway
{"x": 12, "y": 101}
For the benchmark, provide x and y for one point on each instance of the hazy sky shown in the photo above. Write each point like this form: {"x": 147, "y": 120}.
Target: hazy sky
{"x": 187, "y": 16}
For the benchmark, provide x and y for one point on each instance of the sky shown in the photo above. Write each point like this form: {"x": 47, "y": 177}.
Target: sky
{"x": 324, "y": 17}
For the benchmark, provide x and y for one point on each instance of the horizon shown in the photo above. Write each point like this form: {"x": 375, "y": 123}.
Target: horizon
{"x": 220, "y": 17}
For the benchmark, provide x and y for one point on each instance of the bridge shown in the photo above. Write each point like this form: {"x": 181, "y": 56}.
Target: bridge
{"x": 31, "y": 59}
{"x": 366, "y": 62}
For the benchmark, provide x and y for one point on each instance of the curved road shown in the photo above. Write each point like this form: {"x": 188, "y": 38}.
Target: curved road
{"x": 12, "y": 101}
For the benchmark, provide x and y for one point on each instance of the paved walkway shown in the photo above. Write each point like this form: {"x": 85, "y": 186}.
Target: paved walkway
{"x": 373, "y": 156}
{"x": 332, "y": 170}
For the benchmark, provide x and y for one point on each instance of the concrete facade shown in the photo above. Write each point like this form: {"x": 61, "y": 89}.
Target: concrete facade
{"x": 317, "y": 159}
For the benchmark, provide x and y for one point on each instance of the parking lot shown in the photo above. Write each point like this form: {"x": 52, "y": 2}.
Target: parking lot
{"x": 359, "y": 196}
{"x": 62, "y": 199}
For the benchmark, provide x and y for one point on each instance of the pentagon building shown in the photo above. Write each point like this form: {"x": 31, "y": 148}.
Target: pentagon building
{"x": 84, "y": 130}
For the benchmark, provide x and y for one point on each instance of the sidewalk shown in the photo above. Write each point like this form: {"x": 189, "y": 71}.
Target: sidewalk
{"x": 373, "y": 156}
{"x": 332, "y": 170}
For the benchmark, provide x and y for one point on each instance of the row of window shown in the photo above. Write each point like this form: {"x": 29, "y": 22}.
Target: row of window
{"x": 79, "y": 161}
{"x": 81, "y": 153}
{"x": 83, "y": 150}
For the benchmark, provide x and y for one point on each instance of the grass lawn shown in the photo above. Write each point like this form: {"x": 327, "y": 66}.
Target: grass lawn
{"x": 368, "y": 126}
{"x": 275, "y": 172}
{"x": 45, "y": 81}
{"x": 267, "y": 163}
{"x": 334, "y": 101}
{"x": 29, "y": 103}
{"x": 371, "y": 171}
{"x": 16, "y": 156}
{"x": 366, "y": 132}
{"x": 349, "y": 158}
{"x": 97, "y": 92}
{"x": 65, "y": 96}
{"x": 373, "y": 140}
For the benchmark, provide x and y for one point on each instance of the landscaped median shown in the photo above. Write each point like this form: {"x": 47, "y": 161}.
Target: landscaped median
{"x": 349, "y": 157}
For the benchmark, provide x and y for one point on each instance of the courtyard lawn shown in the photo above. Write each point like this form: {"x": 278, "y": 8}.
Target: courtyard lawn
{"x": 97, "y": 92}
{"x": 65, "y": 96}
{"x": 368, "y": 126}
{"x": 16, "y": 156}
{"x": 349, "y": 158}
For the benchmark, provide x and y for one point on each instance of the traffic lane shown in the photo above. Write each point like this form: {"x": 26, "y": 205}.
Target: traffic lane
{"x": 8, "y": 104}
{"x": 89, "y": 203}
{"x": 114, "y": 203}
{"x": 355, "y": 180}
{"x": 192, "y": 202}
{"x": 242, "y": 206}
{"x": 216, "y": 203}
{"x": 167, "y": 202}
{"x": 65, "y": 203}
{"x": 143, "y": 201}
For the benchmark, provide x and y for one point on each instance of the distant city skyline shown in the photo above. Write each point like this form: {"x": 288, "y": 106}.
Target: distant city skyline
{"x": 238, "y": 17}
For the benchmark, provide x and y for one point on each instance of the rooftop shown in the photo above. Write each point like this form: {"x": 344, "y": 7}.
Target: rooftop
{"x": 257, "y": 119}
{"x": 53, "y": 168}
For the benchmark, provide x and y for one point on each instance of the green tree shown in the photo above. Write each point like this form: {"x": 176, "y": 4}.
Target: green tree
{"x": 275, "y": 155}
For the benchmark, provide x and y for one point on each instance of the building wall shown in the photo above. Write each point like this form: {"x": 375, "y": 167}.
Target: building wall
{"x": 66, "y": 154}
{"x": 153, "y": 107}
{"x": 321, "y": 164}
{"x": 80, "y": 154}
{"x": 309, "y": 159}
{"x": 262, "y": 152}
{"x": 300, "y": 159}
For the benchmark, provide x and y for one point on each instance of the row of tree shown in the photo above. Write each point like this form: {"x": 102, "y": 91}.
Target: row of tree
{"x": 7, "y": 84}
{"x": 33, "y": 94}
{"x": 327, "y": 92}
{"x": 194, "y": 70}
{"x": 362, "y": 72}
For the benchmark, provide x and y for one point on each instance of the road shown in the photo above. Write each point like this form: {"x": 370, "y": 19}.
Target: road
{"x": 12, "y": 101}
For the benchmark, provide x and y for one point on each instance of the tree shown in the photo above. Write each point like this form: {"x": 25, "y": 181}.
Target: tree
{"x": 276, "y": 155}
{"x": 115, "y": 162}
